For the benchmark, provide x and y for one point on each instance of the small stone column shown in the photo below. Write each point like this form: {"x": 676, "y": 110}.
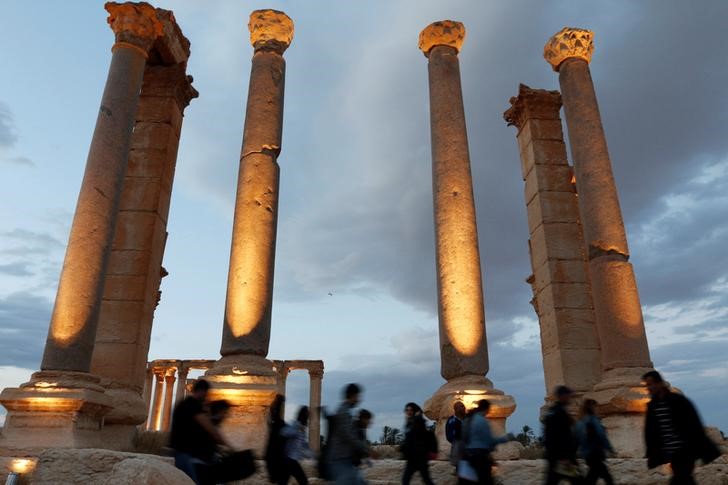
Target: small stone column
{"x": 182, "y": 372}
{"x": 68, "y": 351}
{"x": 560, "y": 279}
{"x": 314, "y": 406}
{"x": 147, "y": 394}
{"x": 624, "y": 350}
{"x": 463, "y": 342}
{"x": 156, "y": 414}
{"x": 169, "y": 380}
{"x": 243, "y": 370}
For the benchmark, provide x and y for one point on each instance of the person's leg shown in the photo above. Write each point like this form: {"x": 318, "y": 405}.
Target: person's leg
{"x": 183, "y": 461}
{"x": 409, "y": 470}
{"x": 682, "y": 470}
{"x": 297, "y": 472}
{"x": 424, "y": 469}
{"x": 552, "y": 478}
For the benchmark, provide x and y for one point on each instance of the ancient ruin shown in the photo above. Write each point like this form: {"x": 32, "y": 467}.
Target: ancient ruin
{"x": 95, "y": 388}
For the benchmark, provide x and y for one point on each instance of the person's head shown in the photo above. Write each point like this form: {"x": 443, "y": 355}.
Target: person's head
{"x": 199, "y": 389}
{"x": 588, "y": 407}
{"x": 482, "y": 407}
{"x": 365, "y": 418}
{"x": 352, "y": 394}
{"x": 654, "y": 383}
{"x": 563, "y": 394}
{"x": 411, "y": 410}
{"x": 459, "y": 409}
{"x": 218, "y": 411}
{"x": 276, "y": 409}
{"x": 302, "y": 417}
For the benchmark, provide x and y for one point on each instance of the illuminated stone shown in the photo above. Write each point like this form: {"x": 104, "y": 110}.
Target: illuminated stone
{"x": 569, "y": 43}
{"x": 270, "y": 29}
{"x": 135, "y": 24}
{"x": 445, "y": 32}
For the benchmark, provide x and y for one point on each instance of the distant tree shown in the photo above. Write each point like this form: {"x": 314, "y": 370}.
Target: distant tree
{"x": 391, "y": 436}
{"x": 527, "y": 437}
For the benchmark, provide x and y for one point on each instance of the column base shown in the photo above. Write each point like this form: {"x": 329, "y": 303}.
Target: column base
{"x": 250, "y": 385}
{"x": 622, "y": 402}
{"x": 55, "y": 410}
{"x": 469, "y": 389}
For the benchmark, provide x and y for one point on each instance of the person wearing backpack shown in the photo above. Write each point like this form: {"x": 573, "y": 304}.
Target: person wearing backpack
{"x": 454, "y": 431}
{"x": 593, "y": 444}
{"x": 295, "y": 449}
{"x": 417, "y": 445}
{"x": 275, "y": 448}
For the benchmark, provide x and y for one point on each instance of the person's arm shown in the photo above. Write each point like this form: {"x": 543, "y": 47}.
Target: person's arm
{"x": 211, "y": 429}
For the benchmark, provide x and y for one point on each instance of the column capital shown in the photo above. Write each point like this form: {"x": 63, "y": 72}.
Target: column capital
{"x": 567, "y": 43}
{"x": 445, "y": 32}
{"x": 532, "y": 103}
{"x": 316, "y": 373}
{"x": 270, "y": 30}
{"x": 134, "y": 24}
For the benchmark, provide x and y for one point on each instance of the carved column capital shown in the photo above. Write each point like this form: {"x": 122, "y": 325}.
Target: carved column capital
{"x": 316, "y": 373}
{"x": 134, "y": 24}
{"x": 445, "y": 32}
{"x": 270, "y": 30}
{"x": 532, "y": 103}
{"x": 567, "y": 43}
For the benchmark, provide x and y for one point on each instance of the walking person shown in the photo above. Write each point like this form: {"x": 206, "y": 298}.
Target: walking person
{"x": 275, "y": 457}
{"x": 361, "y": 424}
{"x": 345, "y": 444}
{"x": 559, "y": 441}
{"x": 674, "y": 433}
{"x": 454, "y": 430}
{"x": 295, "y": 449}
{"x": 417, "y": 445}
{"x": 593, "y": 444}
{"x": 479, "y": 443}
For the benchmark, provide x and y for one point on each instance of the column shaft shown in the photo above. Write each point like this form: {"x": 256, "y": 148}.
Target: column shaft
{"x": 72, "y": 332}
{"x": 181, "y": 384}
{"x": 250, "y": 279}
{"x": 616, "y": 299}
{"x": 156, "y": 413}
{"x": 169, "y": 381}
{"x": 147, "y": 394}
{"x": 314, "y": 407}
{"x": 463, "y": 345}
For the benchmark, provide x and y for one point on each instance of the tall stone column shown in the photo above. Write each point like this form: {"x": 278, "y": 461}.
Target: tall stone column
{"x": 169, "y": 380}
{"x": 463, "y": 342}
{"x": 147, "y": 394}
{"x": 624, "y": 350}
{"x": 135, "y": 270}
{"x": 560, "y": 279}
{"x": 68, "y": 351}
{"x": 243, "y": 375}
{"x": 156, "y": 412}
{"x": 182, "y": 372}
{"x": 314, "y": 405}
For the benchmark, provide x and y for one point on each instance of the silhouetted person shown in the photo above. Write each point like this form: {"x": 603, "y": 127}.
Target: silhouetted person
{"x": 673, "y": 432}
{"x": 454, "y": 431}
{"x": 559, "y": 441}
{"x": 296, "y": 448}
{"x": 345, "y": 444}
{"x": 417, "y": 445}
{"x": 479, "y": 442}
{"x": 361, "y": 424}
{"x": 593, "y": 444}
{"x": 275, "y": 448}
{"x": 193, "y": 437}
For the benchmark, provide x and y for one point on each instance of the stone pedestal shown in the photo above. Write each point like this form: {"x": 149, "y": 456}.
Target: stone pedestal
{"x": 461, "y": 312}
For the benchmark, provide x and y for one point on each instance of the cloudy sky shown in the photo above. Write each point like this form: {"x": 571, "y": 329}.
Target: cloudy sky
{"x": 356, "y": 205}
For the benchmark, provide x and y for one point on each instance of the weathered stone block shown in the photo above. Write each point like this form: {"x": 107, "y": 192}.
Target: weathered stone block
{"x": 153, "y": 135}
{"x": 546, "y": 152}
{"x": 118, "y": 322}
{"x": 564, "y": 295}
{"x": 125, "y": 287}
{"x": 119, "y": 362}
{"x": 158, "y": 109}
{"x": 582, "y": 368}
{"x": 128, "y": 262}
{"x": 540, "y": 129}
{"x": 134, "y": 230}
{"x": 551, "y": 178}
{"x": 552, "y": 207}
{"x": 561, "y": 271}
{"x": 147, "y": 163}
{"x": 140, "y": 193}
{"x": 555, "y": 241}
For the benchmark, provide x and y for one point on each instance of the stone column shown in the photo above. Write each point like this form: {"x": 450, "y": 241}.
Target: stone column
{"x": 246, "y": 329}
{"x": 624, "y": 350}
{"x": 156, "y": 412}
{"x": 182, "y": 372}
{"x": 68, "y": 351}
{"x": 135, "y": 267}
{"x": 314, "y": 406}
{"x": 463, "y": 343}
{"x": 147, "y": 394}
{"x": 560, "y": 279}
{"x": 169, "y": 380}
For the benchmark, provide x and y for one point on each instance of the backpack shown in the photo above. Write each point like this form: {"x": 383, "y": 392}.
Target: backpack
{"x": 431, "y": 442}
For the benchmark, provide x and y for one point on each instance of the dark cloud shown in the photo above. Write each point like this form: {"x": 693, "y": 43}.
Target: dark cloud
{"x": 15, "y": 269}
{"x": 24, "y": 321}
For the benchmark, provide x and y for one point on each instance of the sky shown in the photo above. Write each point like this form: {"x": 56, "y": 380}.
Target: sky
{"x": 355, "y": 214}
